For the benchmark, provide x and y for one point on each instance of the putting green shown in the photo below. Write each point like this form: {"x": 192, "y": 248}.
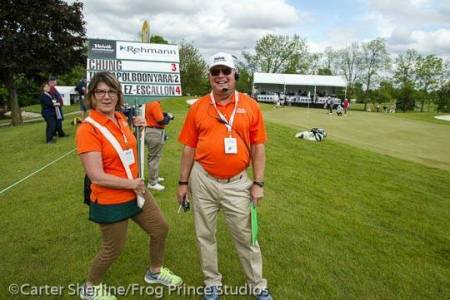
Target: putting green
{"x": 418, "y": 141}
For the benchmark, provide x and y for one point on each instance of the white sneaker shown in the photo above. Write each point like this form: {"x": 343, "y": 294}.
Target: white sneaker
{"x": 156, "y": 187}
{"x": 160, "y": 179}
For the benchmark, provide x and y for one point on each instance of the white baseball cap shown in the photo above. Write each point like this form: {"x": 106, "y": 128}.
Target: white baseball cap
{"x": 221, "y": 59}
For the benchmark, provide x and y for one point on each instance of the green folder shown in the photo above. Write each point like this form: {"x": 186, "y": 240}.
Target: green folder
{"x": 254, "y": 221}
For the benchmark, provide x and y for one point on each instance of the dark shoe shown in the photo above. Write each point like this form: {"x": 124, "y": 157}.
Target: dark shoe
{"x": 51, "y": 142}
{"x": 211, "y": 293}
{"x": 264, "y": 295}
{"x": 65, "y": 135}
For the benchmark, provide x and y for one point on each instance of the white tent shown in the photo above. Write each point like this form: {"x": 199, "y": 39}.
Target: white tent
{"x": 272, "y": 84}
{"x": 299, "y": 80}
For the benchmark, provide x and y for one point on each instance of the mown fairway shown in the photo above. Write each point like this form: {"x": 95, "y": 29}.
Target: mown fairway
{"x": 340, "y": 220}
{"x": 423, "y": 140}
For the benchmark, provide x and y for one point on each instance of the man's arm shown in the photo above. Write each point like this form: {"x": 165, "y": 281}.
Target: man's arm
{"x": 187, "y": 160}
{"x": 258, "y": 164}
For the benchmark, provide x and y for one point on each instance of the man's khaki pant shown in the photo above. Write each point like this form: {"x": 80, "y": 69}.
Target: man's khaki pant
{"x": 154, "y": 138}
{"x": 233, "y": 198}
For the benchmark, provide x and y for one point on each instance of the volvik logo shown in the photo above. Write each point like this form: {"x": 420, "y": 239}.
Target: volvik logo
{"x": 103, "y": 46}
{"x": 220, "y": 58}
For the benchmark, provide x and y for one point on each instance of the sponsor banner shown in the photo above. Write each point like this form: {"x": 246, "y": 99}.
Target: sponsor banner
{"x": 147, "y": 51}
{"x": 151, "y": 90}
{"x": 129, "y": 65}
{"x": 102, "y": 49}
{"x": 143, "y": 77}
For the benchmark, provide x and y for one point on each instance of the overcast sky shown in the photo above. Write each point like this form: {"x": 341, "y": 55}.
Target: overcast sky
{"x": 236, "y": 25}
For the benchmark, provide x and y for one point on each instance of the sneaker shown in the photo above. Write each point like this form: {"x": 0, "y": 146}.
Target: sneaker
{"x": 156, "y": 187}
{"x": 211, "y": 293}
{"x": 96, "y": 292}
{"x": 264, "y": 295}
{"x": 165, "y": 277}
{"x": 161, "y": 179}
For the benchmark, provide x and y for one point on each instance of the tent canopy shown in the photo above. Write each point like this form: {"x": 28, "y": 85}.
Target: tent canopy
{"x": 299, "y": 80}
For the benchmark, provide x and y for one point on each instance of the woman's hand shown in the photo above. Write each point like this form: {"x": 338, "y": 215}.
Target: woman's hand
{"x": 139, "y": 121}
{"x": 138, "y": 186}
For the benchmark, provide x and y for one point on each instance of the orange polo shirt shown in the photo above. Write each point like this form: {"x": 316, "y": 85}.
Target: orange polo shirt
{"x": 90, "y": 139}
{"x": 203, "y": 131}
{"x": 154, "y": 114}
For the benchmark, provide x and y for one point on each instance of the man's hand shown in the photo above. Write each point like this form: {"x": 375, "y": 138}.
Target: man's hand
{"x": 257, "y": 193}
{"x": 182, "y": 193}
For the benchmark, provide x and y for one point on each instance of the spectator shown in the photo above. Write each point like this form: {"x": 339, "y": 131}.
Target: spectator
{"x": 58, "y": 107}
{"x": 81, "y": 89}
{"x": 48, "y": 112}
{"x": 155, "y": 137}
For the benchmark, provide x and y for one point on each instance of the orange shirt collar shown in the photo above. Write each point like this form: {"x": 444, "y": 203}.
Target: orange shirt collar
{"x": 231, "y": 102}
{"x": 102, "y": 119}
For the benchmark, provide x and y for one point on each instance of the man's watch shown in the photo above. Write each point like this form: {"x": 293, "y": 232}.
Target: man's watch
{"x": 183, "y": 182}
{"x": 259, "y": 183}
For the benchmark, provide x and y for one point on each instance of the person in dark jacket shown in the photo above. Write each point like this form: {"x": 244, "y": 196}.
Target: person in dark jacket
{"x": 58, "y": 108}
{"x": 48, "y": 112}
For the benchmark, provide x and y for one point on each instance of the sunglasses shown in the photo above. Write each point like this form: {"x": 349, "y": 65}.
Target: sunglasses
{"x": 216, "y": 72}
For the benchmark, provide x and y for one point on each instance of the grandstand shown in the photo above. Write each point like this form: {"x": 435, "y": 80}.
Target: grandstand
{"x": 297, "y": 89}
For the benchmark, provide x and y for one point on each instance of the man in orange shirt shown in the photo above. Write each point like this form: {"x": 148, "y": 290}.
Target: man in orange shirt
{"x": 222, "y": 134}
{"x": 155, "y": 137}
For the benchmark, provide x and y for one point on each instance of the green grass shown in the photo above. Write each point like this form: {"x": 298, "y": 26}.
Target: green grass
{"x": 392, "y": 134}
{"x": 337, "y": 221}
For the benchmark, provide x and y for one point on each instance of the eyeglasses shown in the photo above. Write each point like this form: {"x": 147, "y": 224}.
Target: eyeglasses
{"x": 102, "y": 93}
{"x": 216, "y": 72}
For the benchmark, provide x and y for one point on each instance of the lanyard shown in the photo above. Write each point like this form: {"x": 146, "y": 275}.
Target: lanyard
{"x": 123, "y": 134}
{"x": 228, "y": 124}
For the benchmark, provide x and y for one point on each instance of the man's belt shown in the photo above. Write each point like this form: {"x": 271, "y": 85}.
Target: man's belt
{"x": 221, "y": 180}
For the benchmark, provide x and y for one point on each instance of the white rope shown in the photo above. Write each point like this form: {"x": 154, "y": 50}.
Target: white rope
{"x": 37, "y": 171}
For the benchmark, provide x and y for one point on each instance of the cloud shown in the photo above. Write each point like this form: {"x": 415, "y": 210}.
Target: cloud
{"x": 422, "y": 25}
{"x": 426, "y": 42}
{"x": 211, "y": 25}
{"x": 411, "y": 12}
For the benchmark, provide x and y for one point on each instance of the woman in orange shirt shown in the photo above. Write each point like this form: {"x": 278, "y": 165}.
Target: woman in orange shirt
{"x": 113, "y": 195}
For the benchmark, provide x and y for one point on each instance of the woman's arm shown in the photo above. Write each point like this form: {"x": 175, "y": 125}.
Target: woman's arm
{"x": 93, "y": 165}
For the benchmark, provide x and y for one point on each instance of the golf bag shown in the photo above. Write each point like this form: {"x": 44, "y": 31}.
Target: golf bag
{"x": 315, "y": 134}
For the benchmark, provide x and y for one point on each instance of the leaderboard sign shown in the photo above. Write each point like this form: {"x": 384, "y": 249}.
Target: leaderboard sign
{"x": 144, "y": 70}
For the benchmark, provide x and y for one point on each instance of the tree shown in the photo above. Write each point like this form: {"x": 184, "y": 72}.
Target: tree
{"x": 443, "y": 98}
{"x": 384, "y": 93}
{"x": 157, "y": 39}
{"x": 331, "y": 60}
{"x": 374, "y": 61}
{"x": 430, "y": 70}
{"x": 314, "y": 63}
{"x": 244, "y": 84}
{"x": 349, "y": 64}
{"x": 278, "y": 54}
{"x": 405, "y": 100}
{"x": 193, "y": 70}
{"x": 38, "y": 38}
{"x": 406, "y": 67}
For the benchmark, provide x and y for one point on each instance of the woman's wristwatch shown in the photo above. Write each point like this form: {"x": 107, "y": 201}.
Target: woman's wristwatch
{"x": 259, "y": 183}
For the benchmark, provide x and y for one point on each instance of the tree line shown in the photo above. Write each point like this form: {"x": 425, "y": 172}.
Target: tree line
{"x": 48, "y": 37}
